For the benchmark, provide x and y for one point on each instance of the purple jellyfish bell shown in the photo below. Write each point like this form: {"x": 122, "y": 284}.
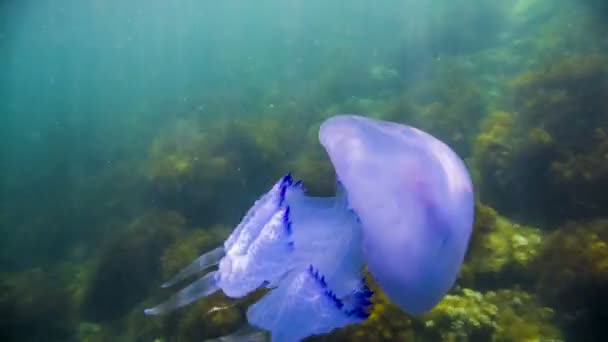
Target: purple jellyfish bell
{"x": 403, "y": 206}
{"x": 414, "y": 198}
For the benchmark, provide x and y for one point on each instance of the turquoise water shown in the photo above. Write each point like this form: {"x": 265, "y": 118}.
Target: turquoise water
{"x": 136, "y": 134}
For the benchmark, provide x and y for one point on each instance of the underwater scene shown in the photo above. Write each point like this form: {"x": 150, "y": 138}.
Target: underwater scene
{"x": 270, "y": 159}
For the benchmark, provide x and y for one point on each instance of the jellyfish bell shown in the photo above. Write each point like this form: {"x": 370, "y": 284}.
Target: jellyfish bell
{"x": 403, "y": 206}
{"x": 414, "y": 198}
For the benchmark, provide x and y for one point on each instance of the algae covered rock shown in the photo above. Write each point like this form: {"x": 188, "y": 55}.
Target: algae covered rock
{"x": 449, "y": 105}
{"x": 189, "y": 246}
{"x": 545, "y": 161}
{"x": 35, "y": 306}
{"x": 211, "y": 171}
{"x": 572, "y": 270}
{"x": 512, "y": 168}
{"x": 463, "y": 315}
{"x": 503, "y": 315}
{"x": 128, "y": 264}
{"x": 213, "y": 317}
{"x": 501, "y": 252}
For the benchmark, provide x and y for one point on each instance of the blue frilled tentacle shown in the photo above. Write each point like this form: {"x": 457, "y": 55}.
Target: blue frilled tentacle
{"x": 203, "y": 262}
{"x": 357, "y": 305}
{"x": 204, "y": 286}
{"x": 287, "y": 224}
{"x": 320, "y": 279}
{"x": 361, "y": 301}
{"x": 276, "y": 245}
{"x": 285, "y": 183}
{"x": 287, "y": 221}
{"x": 259, "y": 214}
{"x": 302, "y": 305}
{"x": 264, "y": 235}
{"x": 262, "y": 253}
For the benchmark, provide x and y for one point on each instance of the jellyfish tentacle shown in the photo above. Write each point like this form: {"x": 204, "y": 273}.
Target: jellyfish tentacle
{"x": 264, "y": 232}
{"x": 222, "y": 307}
{"x": 266, "y": 260}
{"x": 203, "y": 262}
{"x": 246, "y": 333}
{"x": 203, "y": 287}
{"x": 304, "y": 304}
{"x": 359, "y": 303}
{"x": 320, "y": 280}
{"x": 260, "y": 213}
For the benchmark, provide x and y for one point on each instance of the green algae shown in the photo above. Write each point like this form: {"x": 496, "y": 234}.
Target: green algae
{"x": 36, "y": 306}
{"x": 501, "y": 251}
{"x": 572, "y": 270}
{"x": 127, "y": 265}
{"x": 551, "y": 146}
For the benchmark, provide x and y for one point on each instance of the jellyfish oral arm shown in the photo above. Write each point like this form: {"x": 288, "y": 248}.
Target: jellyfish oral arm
{"x": 201, "y": 288}
{"x": 203, "y": 262}
{"x": 307, "y": 250}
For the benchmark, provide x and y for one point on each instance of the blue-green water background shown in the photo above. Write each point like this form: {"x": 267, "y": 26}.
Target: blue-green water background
{"x": 119, "y": 119}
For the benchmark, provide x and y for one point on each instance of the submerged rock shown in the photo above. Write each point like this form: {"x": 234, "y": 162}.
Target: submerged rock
{"x": 128, "y": 264}
{"x": 572, "y": 270}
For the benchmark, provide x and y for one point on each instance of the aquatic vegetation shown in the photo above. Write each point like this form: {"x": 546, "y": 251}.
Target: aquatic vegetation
{"x": 380, "y": 107}
{"x": 502, "y": 158}
{"x": 180, "y": 154}
{"x": 335, "y": 81}
{"x": 220, "y": 158}
{"x": 90, "y": 332}
{"x": 572, "y": 269}
{"x": 54, "y": 215}
{"x": 127, "y": 264}
{"x": 188, "y": 245}
{"x": 449, "y": 105}
{"x": 501, "y": 251}
{"x": 35, "y": 305}
{"x": 316, "y": 171}
{"x": 583, "y": 176}
{"x": 503, "y": 315}
{"x": 381, "y": 72}
{"x": 491, "y": 145}
{"x": 287, "y": 241}
{"x": 214, "y": 317}
{"x": 463, "y": 315}
{"x": 551, "y": 145}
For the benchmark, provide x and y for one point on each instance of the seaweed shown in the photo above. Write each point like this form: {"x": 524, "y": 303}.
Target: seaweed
{"x": 572, "y": 270}
{"x": 449, "y": 104}
{"x": 128, "y": 264}
{"x": 543, "y": 162}
{"x": 463, "y": 315}
{"x": 210, "y": 172}
{"x": 502, "y": 315}
{"x": 501, "y": 252}
{"x": 188, "y": 246}
{"x": 35, "y": 306}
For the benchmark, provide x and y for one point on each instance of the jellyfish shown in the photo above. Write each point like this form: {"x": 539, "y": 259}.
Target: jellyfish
{"x": 403, "y": 207}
